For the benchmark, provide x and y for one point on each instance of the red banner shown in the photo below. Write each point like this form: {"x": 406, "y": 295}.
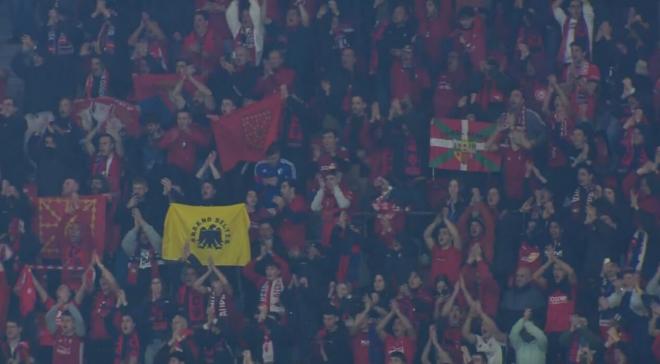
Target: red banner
{"x": 147, "y": 86}
{"x": 245, "y": 134}
{"x": 109, "y": 112}
{"x": 63, "y": 221}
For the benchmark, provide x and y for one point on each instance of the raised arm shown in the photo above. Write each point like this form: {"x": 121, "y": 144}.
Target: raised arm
{"x": 380, "y": 328}
{"x": 428, "y": 232}
{"x": 105, "y": 273}
{"x": 50, "y": 319}
{"x": 446, "y": 308}
{"x": 570, "y": 273}
{"x": 43, "y": 295}
{"x": 538, "y": 275}
{"x": 223, "y": 280}
{"x": 198, "y": 285}
{"x": 78, "y": 321}
{"x": 467, "y": 327}
{"x": 456, "y": 236}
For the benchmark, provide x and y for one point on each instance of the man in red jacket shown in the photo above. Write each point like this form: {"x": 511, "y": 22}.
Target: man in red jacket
{"x": 182, "y": 142}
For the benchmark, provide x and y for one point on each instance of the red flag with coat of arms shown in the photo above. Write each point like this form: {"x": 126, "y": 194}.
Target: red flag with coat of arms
{"x": 109, "y": 113}
{"x": 461, "y": 145}
{"x": 245, "y": 134}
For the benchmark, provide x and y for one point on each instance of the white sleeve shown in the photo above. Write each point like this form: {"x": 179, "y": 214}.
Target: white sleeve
{"x": 560, "y": 17}
{"x": 318, "y": 198}
{"x": 342, "y": 201}
{"x": 233, "y": 19}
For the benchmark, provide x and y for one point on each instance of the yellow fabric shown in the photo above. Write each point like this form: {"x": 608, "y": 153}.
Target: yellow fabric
{"x": 219, "y": 232}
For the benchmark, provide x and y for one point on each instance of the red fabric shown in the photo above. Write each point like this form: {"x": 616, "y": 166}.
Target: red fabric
{"x": 482, "y": 286}
{"x": 445, "y": 262}
{"x": 146, "y": 86}
{"x": 127, "y": 348}
{"x": 182, "y": 146}
{"x": 210, "y": 46}
{"x": 408, "y": 82}
{"x": 529, "y": 257}
{"x": 434, "y": 30}
{"x": 405, "y": 345}
{"x": 360, "y": 344}
{"x": 193, "y": 303}
{"x": 67, "y": 349}
{"x": 217, "y": 20}
{"x": 487, "y": 239}
{"x": 27, "y": 294}
{"x": 104, "y": 109}
{"x": 102, "y": 306}
{"x": 4, "y": 300}
{"x": 293, "y": 233}
{"x": 656, "y": 348}
{"x": 53, "y": 217}
{"x": 445, "y": 97}
{"x": 271, "y": 84}
{"x": 560, "y": 309}
{"x": 473, "y": 42}
{"x": 514, "y": 166}
{"x": 329, "y": 208}
{"x": 111, "y": 172}
{"x": 245, "y": 134}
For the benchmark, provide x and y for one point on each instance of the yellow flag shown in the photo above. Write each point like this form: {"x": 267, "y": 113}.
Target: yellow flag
{"x": 220, "y": 232}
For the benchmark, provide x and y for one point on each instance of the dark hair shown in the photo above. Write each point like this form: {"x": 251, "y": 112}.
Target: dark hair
{"x": 273, "y": 149}
{"x": 203, "y": 14}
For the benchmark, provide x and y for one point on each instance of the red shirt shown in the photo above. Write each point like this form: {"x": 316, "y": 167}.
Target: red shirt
{"x": 445, "y": 97}
{"x": 210, "y": 49}
{"x": 182, "y": 146}
{"x": 560, "y": 309}
{"x": 452, "y": 342}
{"x": 408, "y": 82}
{"x": 405, "y": 345}
{"x": 433, "y": 31}
{"x": 102, "y": 306}
{"x": 445, "y": 262}
{"x": 193, "y": 303}
{"x": 529, "y": 257}
{"x": 513, "y": 163}
{"x": 271, "y": 84}
{"x": 292, "y": 232}
{"x": 67, "y": 349}
{"x": 360, "y": 344}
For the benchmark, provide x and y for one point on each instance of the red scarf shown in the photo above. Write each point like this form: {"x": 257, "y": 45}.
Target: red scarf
{"x": 127, "y": 347}
{"x": 102, "y": 88}
{"x": 580, "y": 35}
{"x": 106, "y": 37}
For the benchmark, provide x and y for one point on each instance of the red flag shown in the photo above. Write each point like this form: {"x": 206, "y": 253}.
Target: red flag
{"x": 245, "y": 134}
{"x": 27, "y": 294}
{"x": 147, "y": 86}
{"x": 108, "y": 112}
{"x": 56, "y": 215}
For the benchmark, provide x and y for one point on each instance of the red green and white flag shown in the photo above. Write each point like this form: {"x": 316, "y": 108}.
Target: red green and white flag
{"x": 460, "y": 145}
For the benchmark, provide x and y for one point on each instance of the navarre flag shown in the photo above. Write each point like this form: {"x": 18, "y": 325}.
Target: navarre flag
{"x": 461, "y": 145}
{"x": 27, "y": 294}
{"x": 109, "y": 113}
{"x": 63, "y": 221}
{"x": 245, "y": 134}
{"x": 218, "y": 232}
{"x": 152, "y": 85}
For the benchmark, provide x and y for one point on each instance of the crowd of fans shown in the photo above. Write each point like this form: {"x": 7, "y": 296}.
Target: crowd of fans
{"x": 360, "y": 252}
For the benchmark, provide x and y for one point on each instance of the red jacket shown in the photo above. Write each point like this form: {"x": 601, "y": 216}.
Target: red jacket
{"x": 182, "y": 146}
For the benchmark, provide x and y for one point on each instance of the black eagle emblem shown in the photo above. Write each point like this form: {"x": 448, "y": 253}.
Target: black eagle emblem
{"x": 211, "y": 237}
